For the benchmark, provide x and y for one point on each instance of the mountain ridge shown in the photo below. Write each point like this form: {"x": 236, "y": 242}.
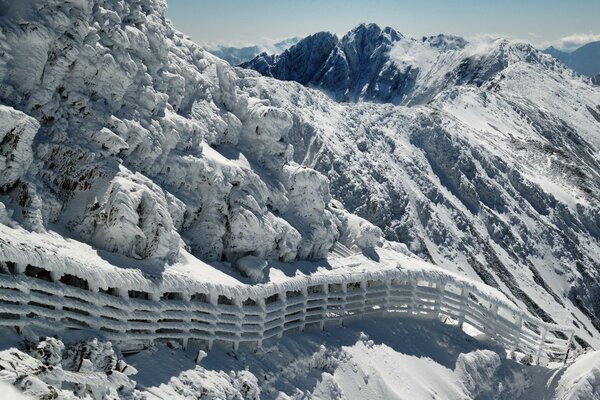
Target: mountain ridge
{"x": 390, "y": 68}
{"x": 450, "y": 137}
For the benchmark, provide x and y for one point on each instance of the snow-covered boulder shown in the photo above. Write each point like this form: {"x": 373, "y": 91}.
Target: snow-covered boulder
{"x": 132, "y": 218}
{"x": 252, "y": 267}
{"x": 308, "y": 193}
{"x": 49, "y": 369}
{"x": 356, "y": 232}
{"x": 17, "y": 131}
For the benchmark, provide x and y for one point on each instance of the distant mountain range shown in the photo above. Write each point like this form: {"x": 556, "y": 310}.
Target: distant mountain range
{"x": 585, "y": 60}
{"x": 237, "y": 55}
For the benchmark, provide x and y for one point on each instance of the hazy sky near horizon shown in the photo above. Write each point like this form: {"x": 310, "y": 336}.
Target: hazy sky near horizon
{"x": 562, "y": 23}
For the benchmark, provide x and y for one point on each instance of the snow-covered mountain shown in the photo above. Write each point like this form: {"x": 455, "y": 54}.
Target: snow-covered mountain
{"x": 126, "y": 147}
{"x": 351, "y": 68}
{"x": 584, "y": 60}
{"x": 480, "y": 172}
{"x": 237, "y": 55}
{"x": 380, "y": 65}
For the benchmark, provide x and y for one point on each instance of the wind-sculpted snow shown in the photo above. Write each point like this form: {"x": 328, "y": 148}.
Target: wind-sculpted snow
{"x": 16, "y": 136}
{"x": 145, "y": 140}
{"x": 120, "y": 133}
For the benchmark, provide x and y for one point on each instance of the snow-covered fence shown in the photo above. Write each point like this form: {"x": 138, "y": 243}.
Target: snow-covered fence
{"x": 32, "y": 295}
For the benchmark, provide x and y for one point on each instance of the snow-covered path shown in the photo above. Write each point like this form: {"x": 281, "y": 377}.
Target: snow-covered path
{"x": 73, "y": 289}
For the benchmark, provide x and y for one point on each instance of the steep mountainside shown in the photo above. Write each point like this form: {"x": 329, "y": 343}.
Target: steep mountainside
{"x": 482, "y": 173}
{"x": 584, "y": 60}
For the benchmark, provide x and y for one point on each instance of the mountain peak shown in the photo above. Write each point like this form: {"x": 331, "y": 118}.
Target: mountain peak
{"x": 381, "y": 65}
{"x": 372, "y": 32}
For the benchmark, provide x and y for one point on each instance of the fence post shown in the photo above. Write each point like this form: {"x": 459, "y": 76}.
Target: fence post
{"x": 283, "y": 299}
{"x": 441, "y": 287}
{"x": 260, "y": 302}
{"x": 344, "y": 293}
{"x": 541, "y": 346}
{"x": 304, "y": 292}
{"x": 413, "y": 297}
{"x": 238, "y": 323}
{"x": 364, "y": 286}
{"x": 325, "y": 306}
{"x": 517, "y": 341}
{"x": 213, "y": 301}
{"x": 568, "y": 346}
{"x": 494, "y": 333}
{"x": 464, "y": 293}
{"x": 20, "y": 267}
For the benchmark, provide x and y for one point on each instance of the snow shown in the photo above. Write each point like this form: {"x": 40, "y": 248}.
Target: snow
{"x": 17, "y": 131}
{"x": 11, "y": 393}
{"x": 361, "y": 360}
{"x": 581, "y": 380}
{"x": 133, "y": 159}
{"x": 491, "y": 177}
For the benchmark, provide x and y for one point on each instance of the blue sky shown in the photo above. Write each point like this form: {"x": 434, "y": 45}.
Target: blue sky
{"x": 563, "y": 23}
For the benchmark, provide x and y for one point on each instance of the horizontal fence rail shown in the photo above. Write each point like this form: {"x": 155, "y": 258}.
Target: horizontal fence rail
{"x": 33, "y": 296}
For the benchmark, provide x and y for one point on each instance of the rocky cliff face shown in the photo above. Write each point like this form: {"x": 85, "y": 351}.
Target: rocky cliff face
{"x": 382, "y": 66}
{"x": 351, "y": 68}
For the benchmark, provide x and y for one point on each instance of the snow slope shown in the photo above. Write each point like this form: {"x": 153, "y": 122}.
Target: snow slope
{"x": 480, "y": 172}
{"x": 122, "y": 140}
{"x": 362, "y": 360}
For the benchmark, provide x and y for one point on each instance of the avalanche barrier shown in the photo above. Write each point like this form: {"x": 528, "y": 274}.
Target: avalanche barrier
{"x": 143, "y": 310}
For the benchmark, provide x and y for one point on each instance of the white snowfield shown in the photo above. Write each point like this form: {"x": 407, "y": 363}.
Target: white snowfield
{"x": 62, "y": 289}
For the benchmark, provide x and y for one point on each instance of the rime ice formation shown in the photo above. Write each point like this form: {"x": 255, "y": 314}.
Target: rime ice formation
{"x": 16, "y": 136}
{"x": 146, "y": 142}
{"x": 129, "y": 157}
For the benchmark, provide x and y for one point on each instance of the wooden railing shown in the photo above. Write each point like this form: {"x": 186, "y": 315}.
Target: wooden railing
{"x": 32, "y": 296}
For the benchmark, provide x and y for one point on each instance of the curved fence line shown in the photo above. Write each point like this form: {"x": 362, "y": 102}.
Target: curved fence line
{"x": 34, "y": 296}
